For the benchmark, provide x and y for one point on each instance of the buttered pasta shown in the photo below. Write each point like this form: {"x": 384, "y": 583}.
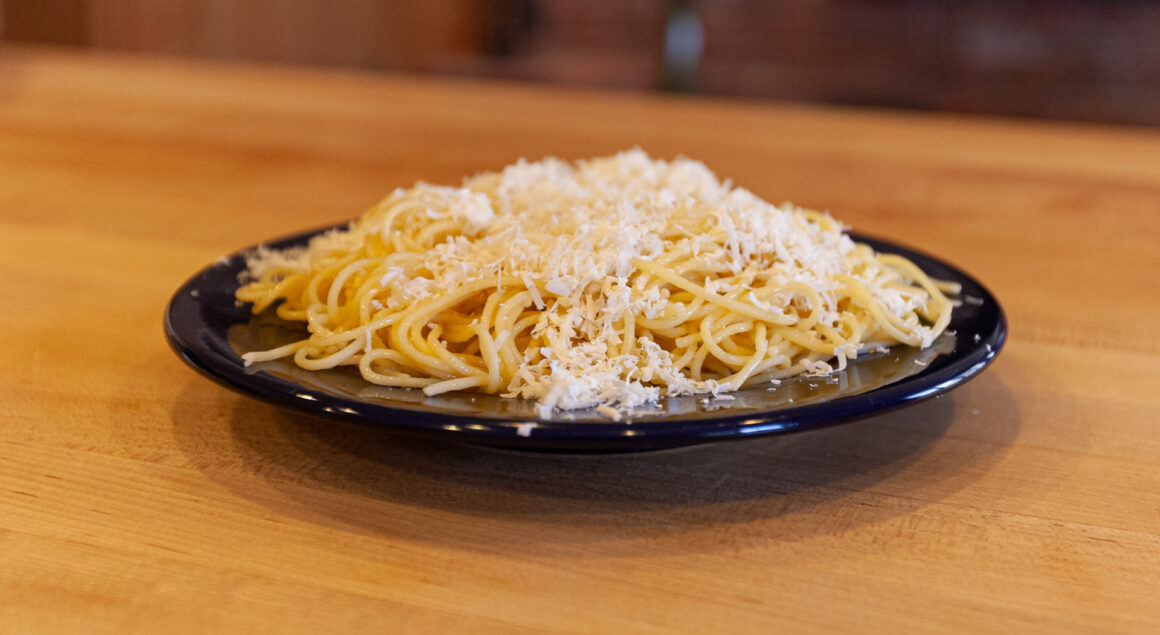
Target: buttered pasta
{"x": 607, "y": 283}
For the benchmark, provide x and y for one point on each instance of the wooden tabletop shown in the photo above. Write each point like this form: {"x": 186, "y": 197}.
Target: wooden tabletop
{"x": 135, "y": 495}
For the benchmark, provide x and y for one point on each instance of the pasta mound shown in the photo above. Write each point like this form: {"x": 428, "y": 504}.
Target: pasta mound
{"x": 606, "y": 283}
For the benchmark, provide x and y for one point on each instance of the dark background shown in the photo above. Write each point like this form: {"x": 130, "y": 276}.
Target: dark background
{"x": 1092, "y": 60}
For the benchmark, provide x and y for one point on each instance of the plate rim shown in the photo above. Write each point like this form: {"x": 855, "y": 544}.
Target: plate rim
{"x": 190, "y": 337}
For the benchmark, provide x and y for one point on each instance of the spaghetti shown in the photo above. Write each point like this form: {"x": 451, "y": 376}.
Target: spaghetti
{"x": 607, "y": 283}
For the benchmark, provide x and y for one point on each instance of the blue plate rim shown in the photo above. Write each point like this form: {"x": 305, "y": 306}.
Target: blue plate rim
{"x": 196, "y": 322}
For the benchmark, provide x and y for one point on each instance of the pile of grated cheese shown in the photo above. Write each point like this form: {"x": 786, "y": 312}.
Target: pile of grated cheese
{"x": 571, "y": 233}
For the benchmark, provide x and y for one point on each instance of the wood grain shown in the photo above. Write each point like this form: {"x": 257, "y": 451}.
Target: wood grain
{"x": 135, "y": 495}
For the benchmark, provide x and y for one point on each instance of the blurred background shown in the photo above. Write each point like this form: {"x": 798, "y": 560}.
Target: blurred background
{"x": 1088, "y": 60}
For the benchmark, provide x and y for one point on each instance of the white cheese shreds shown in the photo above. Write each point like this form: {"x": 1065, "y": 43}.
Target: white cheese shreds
{"x": 643, "y": 279}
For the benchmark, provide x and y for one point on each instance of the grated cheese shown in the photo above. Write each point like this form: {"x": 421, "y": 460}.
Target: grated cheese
{"x": 574, "y": 235}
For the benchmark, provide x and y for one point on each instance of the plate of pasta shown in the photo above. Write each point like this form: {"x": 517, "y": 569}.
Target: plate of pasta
{"x": 615, "y": 304}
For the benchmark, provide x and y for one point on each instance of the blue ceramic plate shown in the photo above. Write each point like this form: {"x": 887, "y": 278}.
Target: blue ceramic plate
{"x": 209, "y": 330}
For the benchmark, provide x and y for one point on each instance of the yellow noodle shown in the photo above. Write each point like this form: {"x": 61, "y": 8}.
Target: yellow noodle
{"x": 427, "y": 291}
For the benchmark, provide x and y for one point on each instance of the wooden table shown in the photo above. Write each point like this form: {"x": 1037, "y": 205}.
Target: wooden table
{"x": 137, "y": 496}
